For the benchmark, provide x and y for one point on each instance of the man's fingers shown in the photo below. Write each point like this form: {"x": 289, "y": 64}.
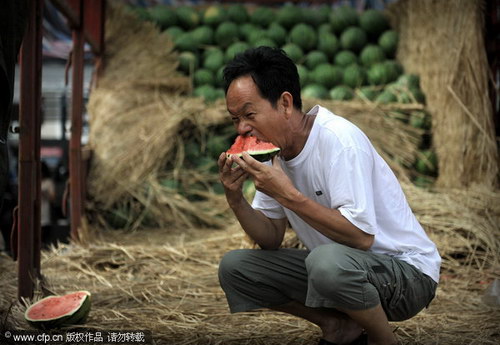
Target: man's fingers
{"x": 235, "y": 179}
{"x": 237, "y": 172}
{"x": 241, "y": 163}
{"x": 228, "y": 172}
{"x": 239, "y": 180}
{"x": 228, "y": 163}
{"x": 222, "y": 160}
{"x": 248, "y": 163}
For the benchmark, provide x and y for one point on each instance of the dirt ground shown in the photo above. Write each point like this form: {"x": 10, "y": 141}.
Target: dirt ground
{"x": 165, "y": 281}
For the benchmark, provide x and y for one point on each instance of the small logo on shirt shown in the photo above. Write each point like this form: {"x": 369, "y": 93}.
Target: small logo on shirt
{"x": 318, "y": 193}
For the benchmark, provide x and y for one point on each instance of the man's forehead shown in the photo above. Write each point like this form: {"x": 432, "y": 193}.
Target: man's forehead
{"x": 244, "y": 82}
{"x": 237, "y": 109}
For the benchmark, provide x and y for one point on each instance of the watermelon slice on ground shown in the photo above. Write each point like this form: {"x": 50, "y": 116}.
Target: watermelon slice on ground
{"x": 57, "y": 311}
{"x": 258, "y": 149}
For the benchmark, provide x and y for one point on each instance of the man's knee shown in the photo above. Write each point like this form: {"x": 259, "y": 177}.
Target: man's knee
{"x": 331, "y": 260}
{"x": 335, "y": 274}
{"x": 232, "y": 263}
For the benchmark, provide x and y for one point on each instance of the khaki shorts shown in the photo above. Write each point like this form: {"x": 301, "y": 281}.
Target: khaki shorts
{"x": 330, "y": 276}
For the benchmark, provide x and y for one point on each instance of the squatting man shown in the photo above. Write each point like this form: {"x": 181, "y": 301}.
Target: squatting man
{"x": 368, "y": 260}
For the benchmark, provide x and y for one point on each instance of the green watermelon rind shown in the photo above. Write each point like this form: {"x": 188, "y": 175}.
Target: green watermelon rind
{"x": 78, "y": 316}
{"x": 81, "y": 315}
{"x": 261, "y": 155}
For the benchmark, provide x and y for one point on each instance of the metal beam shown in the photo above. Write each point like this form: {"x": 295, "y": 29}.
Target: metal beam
{"x": 69, "y": 10}
{"x": 37, "y": 99}
{"x": 75, "y": 153}
{"x": 92, "y": 19}
{"x": 29, "y": 119}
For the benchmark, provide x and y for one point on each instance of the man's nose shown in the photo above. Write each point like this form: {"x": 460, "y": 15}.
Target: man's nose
{"x": 243, "y": 128}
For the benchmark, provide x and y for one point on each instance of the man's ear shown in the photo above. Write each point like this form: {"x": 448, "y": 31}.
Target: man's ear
{"x": 286, "y": 102}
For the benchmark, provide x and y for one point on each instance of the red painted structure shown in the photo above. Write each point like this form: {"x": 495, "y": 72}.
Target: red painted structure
{"x": 86, "y": 19}
{"x": 29, "y": 146}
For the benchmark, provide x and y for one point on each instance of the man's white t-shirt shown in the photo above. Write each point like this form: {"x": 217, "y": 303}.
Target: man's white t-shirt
{"x": 339, "y": 168}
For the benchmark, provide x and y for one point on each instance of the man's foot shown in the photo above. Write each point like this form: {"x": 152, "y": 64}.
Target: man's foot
{"x": 341, "y": 331}
{"x": 361, "y": 340}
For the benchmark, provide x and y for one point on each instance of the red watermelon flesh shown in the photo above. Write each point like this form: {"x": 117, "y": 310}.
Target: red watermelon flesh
{"x": 258, "y": 149}
{"x": 54, "y": 311}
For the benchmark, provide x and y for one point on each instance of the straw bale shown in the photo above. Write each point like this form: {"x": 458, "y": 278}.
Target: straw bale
{"x": 129, "y": 145}
{"x": 139, "y": 119}
{"x": 136, "y": 51}
{"x": 134, "y": 111}
{"x": 131, "y": 110}
{"x": 442, "y": 42}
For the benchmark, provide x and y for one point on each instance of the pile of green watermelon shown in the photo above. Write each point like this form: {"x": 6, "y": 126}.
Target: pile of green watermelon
{"x": 425, "y": 167}
{"x": 341, "y": 54}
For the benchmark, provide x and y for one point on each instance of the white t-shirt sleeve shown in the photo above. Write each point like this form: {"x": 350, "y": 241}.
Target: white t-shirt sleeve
{"x": 351, "y": 189}
{"x": 268, "y": 206}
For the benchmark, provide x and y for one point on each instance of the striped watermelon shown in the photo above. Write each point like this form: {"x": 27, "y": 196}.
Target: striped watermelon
{"x": 57, "y": 311}
{"x": 258, "y": 149}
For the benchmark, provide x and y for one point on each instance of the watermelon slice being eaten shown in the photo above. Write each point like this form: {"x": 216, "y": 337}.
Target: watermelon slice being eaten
{"x": 57, "y": 311}
{"x": 258, "y": 149}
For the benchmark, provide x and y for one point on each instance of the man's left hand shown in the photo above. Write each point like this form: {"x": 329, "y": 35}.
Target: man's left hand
{"x": 269, "y": 179}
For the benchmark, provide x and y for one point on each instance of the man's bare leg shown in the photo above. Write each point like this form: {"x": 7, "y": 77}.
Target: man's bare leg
{"x": 374, "y": 322}
{"x": 345, "y": 326}
{"x": 336, "y": 326}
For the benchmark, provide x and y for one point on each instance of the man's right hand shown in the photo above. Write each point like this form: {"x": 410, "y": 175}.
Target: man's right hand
{"x": 267, "y": 233}
{"x": 232, "y": 179}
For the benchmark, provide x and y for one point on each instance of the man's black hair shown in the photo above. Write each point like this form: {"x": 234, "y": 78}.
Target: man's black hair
{"x": 272, "y": 71}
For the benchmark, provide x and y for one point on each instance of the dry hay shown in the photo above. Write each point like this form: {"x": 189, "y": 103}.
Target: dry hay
{"x": 136, "y": 116}
{"x": 128, "y": 164}
{"x": 137, "y": 54}
{"x": 165, "y": 281}
{"x": 464, "y": 223}
{"x": 125, "y": 100}
{"x": 442, "y": 41}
